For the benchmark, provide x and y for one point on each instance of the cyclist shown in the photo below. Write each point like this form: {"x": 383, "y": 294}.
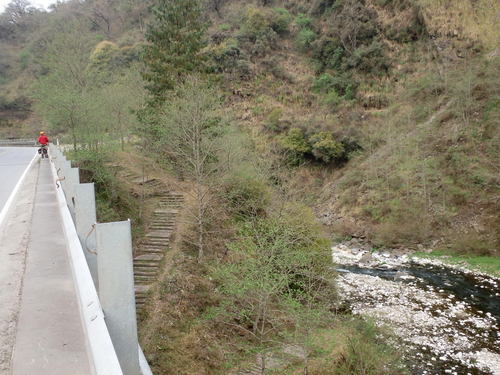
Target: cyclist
{"x": 43, "y": 141}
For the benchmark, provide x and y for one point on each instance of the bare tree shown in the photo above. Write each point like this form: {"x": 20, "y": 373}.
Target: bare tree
{"x": 188, "y": 133}
{"x": 17, "y": 10}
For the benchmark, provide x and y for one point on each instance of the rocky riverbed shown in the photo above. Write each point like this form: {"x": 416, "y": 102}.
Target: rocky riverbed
{"x": 446, "y": 318}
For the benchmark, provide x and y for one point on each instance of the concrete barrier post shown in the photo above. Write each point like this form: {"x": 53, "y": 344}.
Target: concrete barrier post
{"x": 65, "y": 166}
{"x": 116, "y": 291}
{"x": 85, "y": 218}
{"x": 73, "y": 179}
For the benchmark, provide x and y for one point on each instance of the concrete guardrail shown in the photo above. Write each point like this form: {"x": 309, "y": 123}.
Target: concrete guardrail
{"x": 111, "y": 339}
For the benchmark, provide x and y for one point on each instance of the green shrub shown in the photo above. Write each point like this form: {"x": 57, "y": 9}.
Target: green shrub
{"x": 296, "y": 145}
{"x": 369, "y": 58}
{"x": 281, "y": 20}
{"x": 332, "y": 99}
{"x": 273, "y": 121}
{"x": 325, "y": 148}
{"x": 24, "y": 58}
{"x": 321, "y": 147}
{"x": 258, "y": 30}
{"x": 247, "y": 196}
{"x": 304, "y": 39}
{"x": 342, "y": 84}
{"x": 329, "y": 53}
{"x": 272, "y": 262}
{"x": 224, "y": 55}
{"x": 103, "y": 53}
{"x": 303, "y": 21}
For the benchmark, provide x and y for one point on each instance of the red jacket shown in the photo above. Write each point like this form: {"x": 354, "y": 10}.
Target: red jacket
{"x": 43, "y": 140}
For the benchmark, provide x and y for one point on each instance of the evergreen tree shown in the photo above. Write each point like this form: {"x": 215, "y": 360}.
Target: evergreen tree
{"x": 175, "y": 41}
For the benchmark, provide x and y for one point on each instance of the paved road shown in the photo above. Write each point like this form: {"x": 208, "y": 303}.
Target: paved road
{"x": 13, "y": 162}
{"x": 50, "y": 339}
{"x": 40, "y": 327}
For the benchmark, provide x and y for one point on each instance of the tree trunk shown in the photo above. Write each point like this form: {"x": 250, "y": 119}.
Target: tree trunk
{"x": 199, "y": 198}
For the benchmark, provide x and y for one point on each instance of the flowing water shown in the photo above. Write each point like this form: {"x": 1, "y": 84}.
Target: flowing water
{"x": 447, "y": 318}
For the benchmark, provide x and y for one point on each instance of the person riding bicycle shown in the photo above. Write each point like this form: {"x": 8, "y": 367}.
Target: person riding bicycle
{"x": 43, "y": 140}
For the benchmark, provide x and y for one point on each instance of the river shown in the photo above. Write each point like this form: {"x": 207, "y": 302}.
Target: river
{"x": 445, "y": 318}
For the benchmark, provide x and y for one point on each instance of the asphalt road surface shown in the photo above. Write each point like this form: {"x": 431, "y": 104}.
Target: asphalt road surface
{"x": 13, "y": 162}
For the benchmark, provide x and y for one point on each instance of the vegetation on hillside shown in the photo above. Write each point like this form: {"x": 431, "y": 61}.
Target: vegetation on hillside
{"x": 380, "y": 116}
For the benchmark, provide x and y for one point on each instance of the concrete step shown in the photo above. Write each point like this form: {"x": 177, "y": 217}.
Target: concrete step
{"x": 146, "y": 246}
{"x": 164, "y": 218}
{"x": 148, "y": 258}
{"x": 142, "y": 289}
{"x": 151, "y": 274}
{"x": 155, "y": 245}
{"x": 253, "y": 370}
{"x": 146, "y": 272}
{"x": 156, "y": 251}
{"x": 165, "y": 227}
{"x": 144, "y": 279}
{"x": 165, "y": 211}
{"x": 157, "y": 240}
{"x": 157, "y": 234}
{"x": 150, "y": 265}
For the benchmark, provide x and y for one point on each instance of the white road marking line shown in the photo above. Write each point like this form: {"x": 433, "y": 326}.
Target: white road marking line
{"x": 8, "y": 203}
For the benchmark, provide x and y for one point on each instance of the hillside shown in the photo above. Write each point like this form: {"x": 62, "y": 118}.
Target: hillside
{"x": 409, "y": 87}
{"x": 286, "y": 125}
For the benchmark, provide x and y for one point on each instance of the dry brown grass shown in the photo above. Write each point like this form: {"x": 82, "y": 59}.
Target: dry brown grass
{"x": 475, "y": 20}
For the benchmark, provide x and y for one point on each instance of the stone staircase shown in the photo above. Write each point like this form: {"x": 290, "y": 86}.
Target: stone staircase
{"x": 253, "y": 370}
{"x": 156, "y": 242}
